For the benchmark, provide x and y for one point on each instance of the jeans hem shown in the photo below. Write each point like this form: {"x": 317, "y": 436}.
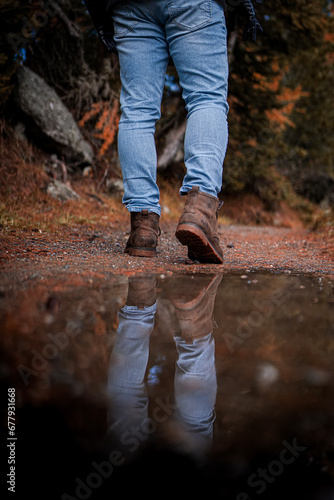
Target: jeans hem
{"x": 184, "y": 190}
{"x": 150, "y": 209}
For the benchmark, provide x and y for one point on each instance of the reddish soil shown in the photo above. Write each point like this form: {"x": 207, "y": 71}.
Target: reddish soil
{"x": 86, "y": 253}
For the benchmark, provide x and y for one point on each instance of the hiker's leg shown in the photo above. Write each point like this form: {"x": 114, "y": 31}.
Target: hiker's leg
{"x": 143, "y": 56}
{"x": 197, "y": 43}
{"x": 196, "y": 37}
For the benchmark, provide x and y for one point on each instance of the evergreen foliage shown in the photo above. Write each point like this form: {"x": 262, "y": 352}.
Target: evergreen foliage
{"x": 281, "y": 99}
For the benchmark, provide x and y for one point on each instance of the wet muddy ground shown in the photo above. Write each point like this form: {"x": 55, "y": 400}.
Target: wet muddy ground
{"x": 168, "y": 377}
{"x": 84, "y": 251}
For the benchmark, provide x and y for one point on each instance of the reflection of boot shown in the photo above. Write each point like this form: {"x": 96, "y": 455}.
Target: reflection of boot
{"x": 195, "y": 309}
{"x": 198, "y": 228}
{"x": 142, "y": 291}
{"x": 144, "y": 234}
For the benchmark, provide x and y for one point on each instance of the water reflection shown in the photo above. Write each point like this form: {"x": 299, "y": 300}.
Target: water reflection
{"x": 195, "y": 383}
{"x": 226, "y": 380}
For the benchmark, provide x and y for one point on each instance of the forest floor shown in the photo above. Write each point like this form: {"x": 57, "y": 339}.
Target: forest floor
{"x": 85, "y": 252}
{"x": 42, "y": 236}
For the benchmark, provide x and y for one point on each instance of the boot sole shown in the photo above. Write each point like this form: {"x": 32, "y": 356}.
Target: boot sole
{"x": 199, "y": 247}
{"x": 141, "y": 252}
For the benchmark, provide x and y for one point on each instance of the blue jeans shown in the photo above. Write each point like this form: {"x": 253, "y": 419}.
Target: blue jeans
{"x": 195, "y": 385}
{"x": 193, "y": 33}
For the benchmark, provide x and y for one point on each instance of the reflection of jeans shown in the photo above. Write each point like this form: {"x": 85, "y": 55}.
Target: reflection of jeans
{"x": 195, "y": 382}
{"x": 193, "y": 32}
{"x": 128, "y": 364}
{"x": 196, "y": 387}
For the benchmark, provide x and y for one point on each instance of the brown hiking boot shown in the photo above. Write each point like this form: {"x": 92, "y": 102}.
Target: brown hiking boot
{"x": 198, "y": 229}
{"x": 144, "y": 234}
{"x": 194, "y": 307}
{"x": 142, "y": 291}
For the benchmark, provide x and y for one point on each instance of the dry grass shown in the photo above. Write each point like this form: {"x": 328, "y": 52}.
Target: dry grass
{"x": 25, "y": 203}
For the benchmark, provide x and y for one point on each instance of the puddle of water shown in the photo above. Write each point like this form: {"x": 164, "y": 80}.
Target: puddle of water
{"x": 216, "y": 384}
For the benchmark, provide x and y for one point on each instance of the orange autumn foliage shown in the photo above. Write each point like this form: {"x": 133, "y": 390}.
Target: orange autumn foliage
{"x": 286, "y": 96}
{"x": 106, "y": 126}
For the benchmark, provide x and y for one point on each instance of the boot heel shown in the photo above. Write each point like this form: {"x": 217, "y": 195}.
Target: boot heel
{"x": 141, "y": 252}
{"x": 190, "y": 234}
{"x": 145, "y": 231}
{"x": 199, "y": 246}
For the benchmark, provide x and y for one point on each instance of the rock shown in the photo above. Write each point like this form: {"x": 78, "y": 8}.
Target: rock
{"x": 88, "y": 171}
{"x": 61, "y": 191}
{"x": 56, "y": 168}
{"x": 115, "y": 187}
{"x": 51, "y": 117}
{"x": 19, "y": 132}
{"x": 165, "y": 209}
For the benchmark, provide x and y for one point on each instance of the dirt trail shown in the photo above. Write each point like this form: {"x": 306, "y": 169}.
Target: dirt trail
{"x": 87, "y": 253}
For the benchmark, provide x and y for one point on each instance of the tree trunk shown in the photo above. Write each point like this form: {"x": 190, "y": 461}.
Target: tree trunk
{"x": 173, "y": 146}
